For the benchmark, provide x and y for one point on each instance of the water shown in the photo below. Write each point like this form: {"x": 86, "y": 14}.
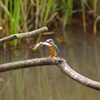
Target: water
{"x": 48, "y": 82}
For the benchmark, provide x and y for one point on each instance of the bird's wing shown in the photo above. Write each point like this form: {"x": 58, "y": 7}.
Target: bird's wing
{"x": 56, "y": 48}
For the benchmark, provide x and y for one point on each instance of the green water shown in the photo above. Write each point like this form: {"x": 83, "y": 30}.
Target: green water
{"x": 48, "y": 82}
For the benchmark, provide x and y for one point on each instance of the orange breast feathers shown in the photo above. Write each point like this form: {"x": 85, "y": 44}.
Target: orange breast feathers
{"x": 52, "y": 51}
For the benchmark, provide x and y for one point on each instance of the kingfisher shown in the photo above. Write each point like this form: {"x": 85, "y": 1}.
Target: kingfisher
{"x": 53, "y": 49}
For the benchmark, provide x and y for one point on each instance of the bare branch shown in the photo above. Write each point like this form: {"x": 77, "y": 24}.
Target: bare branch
{"x": 23, "y": 35}
{"x": 60, "y": 62}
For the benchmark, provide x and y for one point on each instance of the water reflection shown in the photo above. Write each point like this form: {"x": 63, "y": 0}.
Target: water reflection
{"x": 48, "y": 82}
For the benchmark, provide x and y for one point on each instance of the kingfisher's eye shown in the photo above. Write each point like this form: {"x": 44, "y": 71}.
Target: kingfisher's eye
{"x": 49, "y": 41}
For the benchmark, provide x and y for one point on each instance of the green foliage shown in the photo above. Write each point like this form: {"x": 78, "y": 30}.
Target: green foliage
{"x": 92, "y": 2}
{"x": 68, "y": 11}
{"x": 46, "y": 13}
{"x": 24, "y": 15}
{"x": 15, "y": 13}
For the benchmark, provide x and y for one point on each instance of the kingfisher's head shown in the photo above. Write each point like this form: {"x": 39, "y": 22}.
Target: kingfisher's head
{"x": 50, "y": 41}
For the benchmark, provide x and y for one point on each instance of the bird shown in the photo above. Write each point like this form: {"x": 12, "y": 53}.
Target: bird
{"x": 53, "y": 49}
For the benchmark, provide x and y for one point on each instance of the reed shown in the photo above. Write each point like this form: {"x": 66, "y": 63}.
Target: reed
{"x": 68, "y": 11}
{"x": 23, "y": 15}
{"x": 46, "y": 11}
{"x": 83, "y": 14}
{"x": 15, "y": 14}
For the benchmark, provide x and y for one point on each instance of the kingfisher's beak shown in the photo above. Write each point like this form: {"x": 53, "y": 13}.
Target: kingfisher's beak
{"x": 47, "y": 42}
{"x": 50, "y": 42}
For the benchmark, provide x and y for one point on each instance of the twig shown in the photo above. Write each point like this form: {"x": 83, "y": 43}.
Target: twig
{"x": 60, "y": 62}
{"x": 23, "y": 35}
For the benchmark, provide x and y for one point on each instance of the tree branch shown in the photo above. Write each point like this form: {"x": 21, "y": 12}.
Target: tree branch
{"x": 23, "y": 35}
{"x": 60, "y": 62}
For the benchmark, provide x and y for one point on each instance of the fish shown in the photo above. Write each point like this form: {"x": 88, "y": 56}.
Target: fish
{"x": 39, "y": 45}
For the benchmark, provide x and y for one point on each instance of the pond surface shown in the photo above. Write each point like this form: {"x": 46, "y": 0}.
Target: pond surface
{"x": 48, "y": 82}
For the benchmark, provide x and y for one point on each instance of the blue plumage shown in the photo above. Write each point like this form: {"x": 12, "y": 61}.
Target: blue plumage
{"x": 55, "y": 47}
{"x": 54, "y": 51}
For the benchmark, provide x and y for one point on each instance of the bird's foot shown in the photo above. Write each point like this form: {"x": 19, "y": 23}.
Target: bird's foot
{"x": 49, "y": 56}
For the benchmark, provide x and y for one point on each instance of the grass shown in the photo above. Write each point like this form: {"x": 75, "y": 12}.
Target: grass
{"x": 83, "y": 14}
{"x": 68, "y": 12}
{"x": 22, "y": 15}
{"x": 15, "y": 14}
{"x": 46, "y": 12}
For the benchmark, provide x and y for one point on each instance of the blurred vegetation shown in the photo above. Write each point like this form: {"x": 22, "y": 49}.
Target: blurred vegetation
{"x": 18, "y": 16}
{"x": 46, "y": 83}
